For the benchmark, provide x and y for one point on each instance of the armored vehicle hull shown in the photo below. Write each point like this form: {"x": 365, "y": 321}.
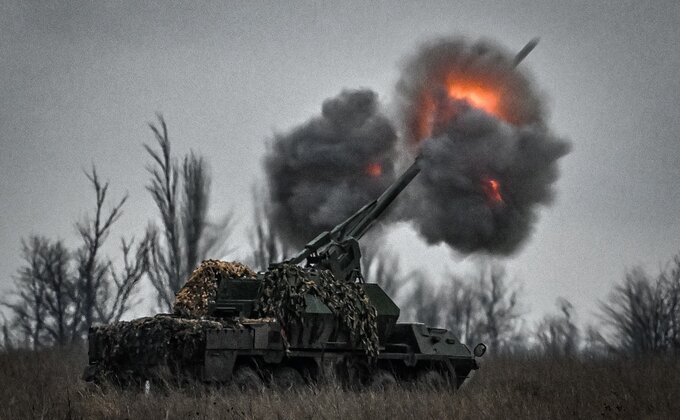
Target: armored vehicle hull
{"x": 255, "y": 352}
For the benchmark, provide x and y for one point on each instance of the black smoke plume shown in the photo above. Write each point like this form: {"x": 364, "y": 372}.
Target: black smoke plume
{"x": 324, "y": 170}
{"x": 486, "y": 164}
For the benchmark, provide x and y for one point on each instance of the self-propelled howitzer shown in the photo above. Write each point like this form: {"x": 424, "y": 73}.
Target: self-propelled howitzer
{"x": 240, "y": 341}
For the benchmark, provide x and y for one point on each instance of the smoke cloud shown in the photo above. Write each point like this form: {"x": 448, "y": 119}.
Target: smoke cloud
{"x": 488, "y": 158}
{"x": 324, "y": 170}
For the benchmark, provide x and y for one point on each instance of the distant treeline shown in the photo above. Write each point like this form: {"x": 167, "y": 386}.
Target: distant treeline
{"x": 640, "y": 315}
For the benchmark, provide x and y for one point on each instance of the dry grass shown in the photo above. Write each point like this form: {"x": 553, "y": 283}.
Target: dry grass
{"x": 47, "y": 385}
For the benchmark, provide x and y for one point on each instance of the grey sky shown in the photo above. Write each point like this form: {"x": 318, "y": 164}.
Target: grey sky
{"x": 79, "y": 81}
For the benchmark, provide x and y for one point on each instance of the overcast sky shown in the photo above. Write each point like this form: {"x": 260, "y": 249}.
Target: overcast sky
{"x": 80, "y": 80}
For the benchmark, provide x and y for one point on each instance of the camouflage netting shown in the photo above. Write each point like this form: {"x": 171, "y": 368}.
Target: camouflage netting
{"x": 284, "y": 290}
{"x": 133, "y": 348}
{"x": 193, "y": 299}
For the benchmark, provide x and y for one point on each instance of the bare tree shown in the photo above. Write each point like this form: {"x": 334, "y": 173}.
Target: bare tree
{"x": 28, "y": 304}
{"x": 102, "y": 293}
{"x": 499, "y": 309}
{"x": 113, "y": 299}
{"x": 462, "y": 310}
{"x": 635, "y": 312}
{"x": 423, "y": 300}
{"x": 644, "y": 311}
{"x": 194, "y": 208}
{"x": 44, "y": 302}
{"x": 165, "y": 271}
{"x": 558, "y": 335}
{"x": 201, "y": 236}
{"x": 186, "y": 235}
{"x": 594, "y": 343}
{"x": 60, "y": 293}
{"x": 92, "y": 269}
{"x": 454, "y": 304}
{"x": 268, "y": 246}
{"x": 484, "y": 309}
{"x": 670, "y": 280}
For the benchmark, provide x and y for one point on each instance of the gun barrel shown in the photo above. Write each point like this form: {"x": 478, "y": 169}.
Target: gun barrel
{"x": 384, "y": 201}
{"x": 358, "y": 224}
{"x": 522, "y": 54}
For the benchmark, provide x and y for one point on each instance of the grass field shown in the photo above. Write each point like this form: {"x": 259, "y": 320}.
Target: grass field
{"x": 47, "y": 385}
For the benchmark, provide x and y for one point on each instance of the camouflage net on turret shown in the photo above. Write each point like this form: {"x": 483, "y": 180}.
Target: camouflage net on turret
{"x": 283, "y": 296}
{"x": 199, "y": 292}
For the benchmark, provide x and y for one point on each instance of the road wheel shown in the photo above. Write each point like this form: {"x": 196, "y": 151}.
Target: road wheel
{"x": 430, "y": 379}
{"x": 247, "y": 379}
{"x": 286, "y": 377}
{"x": 381, "y": 380}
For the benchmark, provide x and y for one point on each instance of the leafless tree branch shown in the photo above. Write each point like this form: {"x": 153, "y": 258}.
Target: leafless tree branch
{"x": 644, "y": 311}
{"x": 558, "y": 335}
{"x": 268, "y": 246}
{"x": 186, "y": 235}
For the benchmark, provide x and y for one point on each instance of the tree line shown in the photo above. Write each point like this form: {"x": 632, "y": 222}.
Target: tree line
{"x": 59, "y": 292}
{"x": 640, "y": 315}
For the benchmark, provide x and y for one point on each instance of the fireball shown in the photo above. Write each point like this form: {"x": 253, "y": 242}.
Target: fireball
{"x": 374, "y": 169}
{"x": 492, "y": 189}
{"x": 477, "y": 96}
{"x": 435, "y": 112}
